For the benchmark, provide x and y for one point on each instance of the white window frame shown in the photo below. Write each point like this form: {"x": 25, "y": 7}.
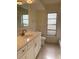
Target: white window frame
{"x": 25, "y": 24}
{"x": 49, "y": 33}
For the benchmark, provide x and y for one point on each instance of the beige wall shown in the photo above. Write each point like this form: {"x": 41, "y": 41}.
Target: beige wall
{"x": 51, "y": 39}
{"x": 32, "y": 18}
{"x": 38, "y": 22}
{"x": 53, "y": 7}
{"x": 41, "y": 22}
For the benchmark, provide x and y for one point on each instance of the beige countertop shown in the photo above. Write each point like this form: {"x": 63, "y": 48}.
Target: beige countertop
{"x": 23, "y": 40}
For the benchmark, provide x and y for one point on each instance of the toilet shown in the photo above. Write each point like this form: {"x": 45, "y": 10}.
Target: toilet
{"x": 43, "y": 40}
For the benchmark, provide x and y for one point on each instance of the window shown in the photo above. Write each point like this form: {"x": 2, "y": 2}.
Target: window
{"x": 51, "y": 29}
{"x": 25, "y": 20}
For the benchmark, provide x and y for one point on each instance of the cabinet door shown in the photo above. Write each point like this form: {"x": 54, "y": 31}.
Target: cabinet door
{"x": 24, "y": 56}
{"x": 30, "y": 53}
{"x": 21, "y": 53}
{"x": 37, "y": 45}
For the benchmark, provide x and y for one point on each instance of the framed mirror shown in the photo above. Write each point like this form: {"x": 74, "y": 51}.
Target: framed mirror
{"x": 22, "y": 18}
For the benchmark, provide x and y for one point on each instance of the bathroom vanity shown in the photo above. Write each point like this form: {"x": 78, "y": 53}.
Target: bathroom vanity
{"x": 28, "y": 46}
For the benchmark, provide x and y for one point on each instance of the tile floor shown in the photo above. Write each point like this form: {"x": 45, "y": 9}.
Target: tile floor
{"x": 49, "y": 51}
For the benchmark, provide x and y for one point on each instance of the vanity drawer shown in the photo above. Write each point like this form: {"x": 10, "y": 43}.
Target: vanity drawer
{"x": 30, "y": 44}
{"x": 21, "y": 52}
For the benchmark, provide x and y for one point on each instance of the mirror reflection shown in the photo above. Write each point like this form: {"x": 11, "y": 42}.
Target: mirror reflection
{"x": 22, "y": 18}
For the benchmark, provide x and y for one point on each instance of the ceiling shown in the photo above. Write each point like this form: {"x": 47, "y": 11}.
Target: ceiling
{"x": 50, "y": 5}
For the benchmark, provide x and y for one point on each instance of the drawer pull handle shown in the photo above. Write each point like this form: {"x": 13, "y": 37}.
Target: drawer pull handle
{"x": 22, "y": 50}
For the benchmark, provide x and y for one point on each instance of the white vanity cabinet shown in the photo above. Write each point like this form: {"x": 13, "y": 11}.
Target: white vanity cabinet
{"x": 34, "y": 48}
{"x": 37, "y": 46}
{"x": 30, "y": 53}
{"x": 21, "y": 54}
{"x": 31, "y": 49}
{"x": 23, "y": 57}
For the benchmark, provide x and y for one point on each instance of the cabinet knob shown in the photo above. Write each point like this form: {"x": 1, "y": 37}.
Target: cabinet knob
{"x": 22, "y": 50}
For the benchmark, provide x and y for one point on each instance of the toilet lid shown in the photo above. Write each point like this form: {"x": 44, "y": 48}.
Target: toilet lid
{"x": 44, "y": 38}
